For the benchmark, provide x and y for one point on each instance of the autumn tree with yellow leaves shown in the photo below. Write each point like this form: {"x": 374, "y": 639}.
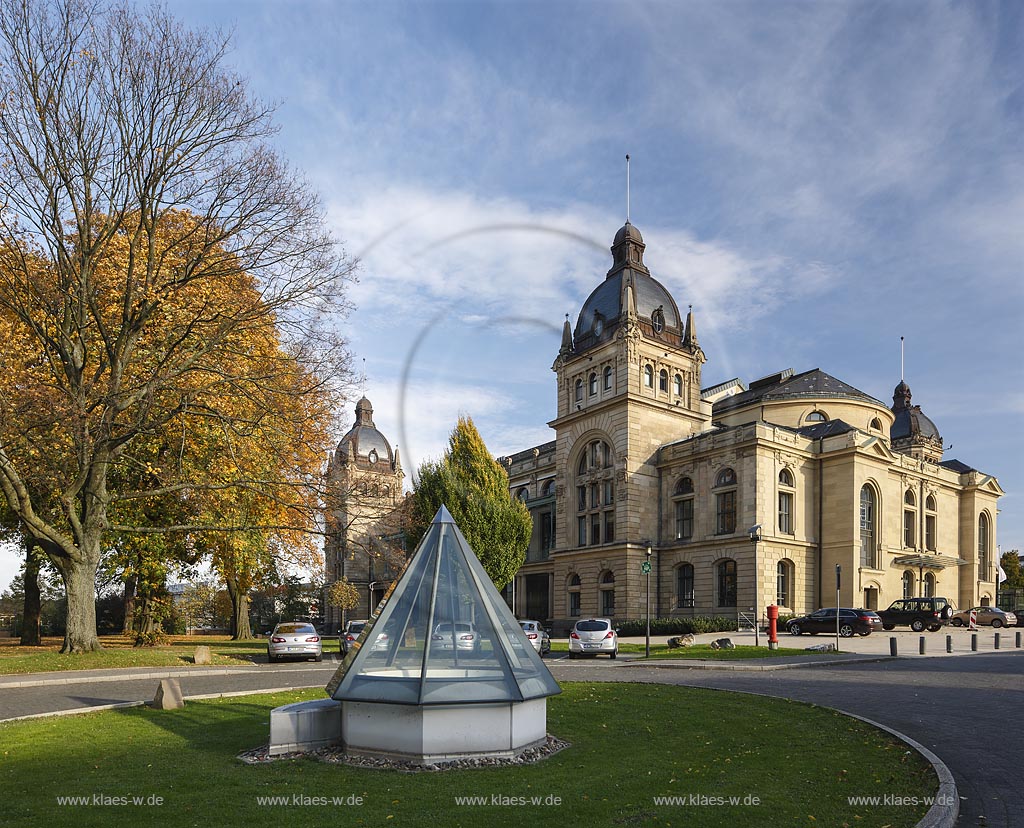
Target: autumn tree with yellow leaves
{"x": 169, "y": 297}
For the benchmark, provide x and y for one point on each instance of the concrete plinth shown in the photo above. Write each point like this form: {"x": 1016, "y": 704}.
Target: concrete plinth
{"x": 438, "y": 733}
{"x": 304, "y": 726}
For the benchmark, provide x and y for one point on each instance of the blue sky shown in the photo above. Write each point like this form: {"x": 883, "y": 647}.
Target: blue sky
{"x": 817, "y": 179}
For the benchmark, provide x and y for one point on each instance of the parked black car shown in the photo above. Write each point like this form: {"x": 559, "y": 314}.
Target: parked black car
{"x": 918, "y": 613}
{"x": 851, "y": 621}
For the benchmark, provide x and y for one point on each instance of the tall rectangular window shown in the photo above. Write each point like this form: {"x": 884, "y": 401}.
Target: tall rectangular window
{"x": 595, "y": 529}
{"x": 609, "y": 526}
{"x": 909, "y": 533}
{"x": 786, "y": 513}
{"x": 726, "y": 513}
{"x": 547, "y": 531}
{"x": 581, "y": 527}
{"x": 574, "y": 604}
{"x": 684, "y": 519}
{"x": 684, "y": 586}
{"x": 929, "y": 533}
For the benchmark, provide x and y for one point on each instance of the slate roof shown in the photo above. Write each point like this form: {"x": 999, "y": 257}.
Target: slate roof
{"x": 813, "y": 384}
{"x": 957, "y": 466}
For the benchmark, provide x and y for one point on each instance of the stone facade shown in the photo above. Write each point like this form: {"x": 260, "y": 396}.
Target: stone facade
{"x": 365, "y": 544}
{"x": 645, "y": 463}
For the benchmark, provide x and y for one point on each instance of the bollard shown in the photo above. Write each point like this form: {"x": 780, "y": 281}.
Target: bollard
{"x": 892, "y": 646}
{"x": 1018, "y": 639}
{"x": 974, "y": 642}
{"x": 997, "y": 640}
{"x": 949, "y": 643}
{"x": 922, "y": 645}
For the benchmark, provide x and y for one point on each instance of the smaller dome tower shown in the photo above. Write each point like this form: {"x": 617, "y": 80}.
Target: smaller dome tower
{"x": 912, "y": 432}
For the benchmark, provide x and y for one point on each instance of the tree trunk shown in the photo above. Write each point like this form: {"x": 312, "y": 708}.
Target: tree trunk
{"x": 33, "y": 601}
{"x": 80, "y": 587}
{"x": 240, "y": 628}
{"x": 130, "y": 586}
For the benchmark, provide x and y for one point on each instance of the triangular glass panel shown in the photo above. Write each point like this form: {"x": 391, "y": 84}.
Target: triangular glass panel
{"x": 443, "y": 636}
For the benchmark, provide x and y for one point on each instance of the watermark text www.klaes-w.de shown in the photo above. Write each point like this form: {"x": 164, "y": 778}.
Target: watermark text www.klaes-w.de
{"x": 707, "y": 801}
{"x": 505, "y": 800}
{"x": 305, "y": 801}
{"x": 895, "y": 800}
{"x": 111, "y": 801}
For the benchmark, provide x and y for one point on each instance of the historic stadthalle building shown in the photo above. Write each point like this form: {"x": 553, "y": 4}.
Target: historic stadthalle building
{"x": 646, "y": 463}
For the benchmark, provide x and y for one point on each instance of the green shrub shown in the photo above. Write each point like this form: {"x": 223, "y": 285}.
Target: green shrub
{"x": 677, "y": 626}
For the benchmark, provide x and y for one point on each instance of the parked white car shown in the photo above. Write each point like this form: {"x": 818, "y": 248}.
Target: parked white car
{"x": 593, "y": 636}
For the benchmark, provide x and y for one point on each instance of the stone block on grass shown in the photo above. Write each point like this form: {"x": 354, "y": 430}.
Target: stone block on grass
{"x": 723, "y": 644}
{"x": 168, "y": 695}
{"x": 203, "y": 655}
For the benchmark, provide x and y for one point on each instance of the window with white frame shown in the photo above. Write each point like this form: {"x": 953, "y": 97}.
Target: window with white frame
{"x": 786, "y": 502}
{"x": 682, "y": 500}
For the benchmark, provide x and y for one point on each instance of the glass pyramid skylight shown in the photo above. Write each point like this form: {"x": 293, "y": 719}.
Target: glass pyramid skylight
{"x": 443, "y": 636}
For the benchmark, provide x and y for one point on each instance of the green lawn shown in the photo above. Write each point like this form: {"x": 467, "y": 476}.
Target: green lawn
{"x": 789, "y": 764}
{"x": 704, "y": 651}
{"x": 118, "y": 652}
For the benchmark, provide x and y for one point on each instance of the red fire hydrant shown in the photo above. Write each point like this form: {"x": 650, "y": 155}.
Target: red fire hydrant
{"x": 773, "y": 620}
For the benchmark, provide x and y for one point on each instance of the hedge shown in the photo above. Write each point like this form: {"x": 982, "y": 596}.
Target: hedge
{"x": 677, "y": 626}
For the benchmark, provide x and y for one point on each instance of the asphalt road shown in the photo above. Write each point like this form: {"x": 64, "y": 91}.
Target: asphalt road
{"x": 968, "y": 709}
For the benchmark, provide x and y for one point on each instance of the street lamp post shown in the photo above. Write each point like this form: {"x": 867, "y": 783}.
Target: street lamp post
{"x": 755, "y": 535}
{"x": 647, "y": 571}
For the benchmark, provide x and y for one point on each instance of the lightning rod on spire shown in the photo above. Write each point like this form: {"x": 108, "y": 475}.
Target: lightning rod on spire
{"x": 627, "y": 188}
{"x": 901, "y": 359}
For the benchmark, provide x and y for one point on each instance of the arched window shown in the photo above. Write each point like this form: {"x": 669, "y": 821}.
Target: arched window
{"x": 725, "y": 503}
{"x": 929, "y": 523}
{"x": 523, "y": 494}
{"x": 875, "y": 424}
{"x": 683, "y": 503}
{"x": 548, "y": 488}
{"x": 574, "y": 590}
{"x": 909, "y": 520}
{"x": 868, "y": 527}
{"x": 725, "y": 573}
{"x": 595, "y": 495}
{"x": 607, "y": 590}
{"x": 677, "y": 385}
{"x": 816, "y": 417}
{"x": 983, "y": 574}
{"x": 784, "y": 583}
{"x": 929, "y": 586}
{"x": 786, "y": 503}
{"x": 684, "y": 586}
{"x": 908, "y": 584}
{"x": 579, "y": 391}
{"x": 592, "y": 383}
{"x": 663, "y": 381}
{"x": 608, "y": 378}
{"x": 648, "y": 376}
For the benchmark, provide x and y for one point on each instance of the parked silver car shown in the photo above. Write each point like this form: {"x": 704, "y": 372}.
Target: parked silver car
{"x": 593, "y": 636}
{"x": 466, "y": 638}
{"x": 985, "y": 615}
{"x": 294, "y": 639}
{"x": 538, "y": 636}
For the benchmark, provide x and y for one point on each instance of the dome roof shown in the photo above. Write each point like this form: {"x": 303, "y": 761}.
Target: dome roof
{"x": 603, "y": 309}
{"x": 627, "y": 231}
{"x": 368, "y": 446}
{"x": 911, "y": 426}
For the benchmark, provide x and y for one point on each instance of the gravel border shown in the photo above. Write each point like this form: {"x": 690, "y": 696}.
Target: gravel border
{"x": 336, "y": 755}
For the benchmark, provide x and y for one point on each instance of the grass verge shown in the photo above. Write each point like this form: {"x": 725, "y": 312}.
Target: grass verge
{"x": 118, "y": 652}
{"x": 785, "y": 763}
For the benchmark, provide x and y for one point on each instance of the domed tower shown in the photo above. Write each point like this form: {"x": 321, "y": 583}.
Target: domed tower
{"x": 364, "y": 544}
{"x": 912, "y": 432}
{"x": 629, "y": 377}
